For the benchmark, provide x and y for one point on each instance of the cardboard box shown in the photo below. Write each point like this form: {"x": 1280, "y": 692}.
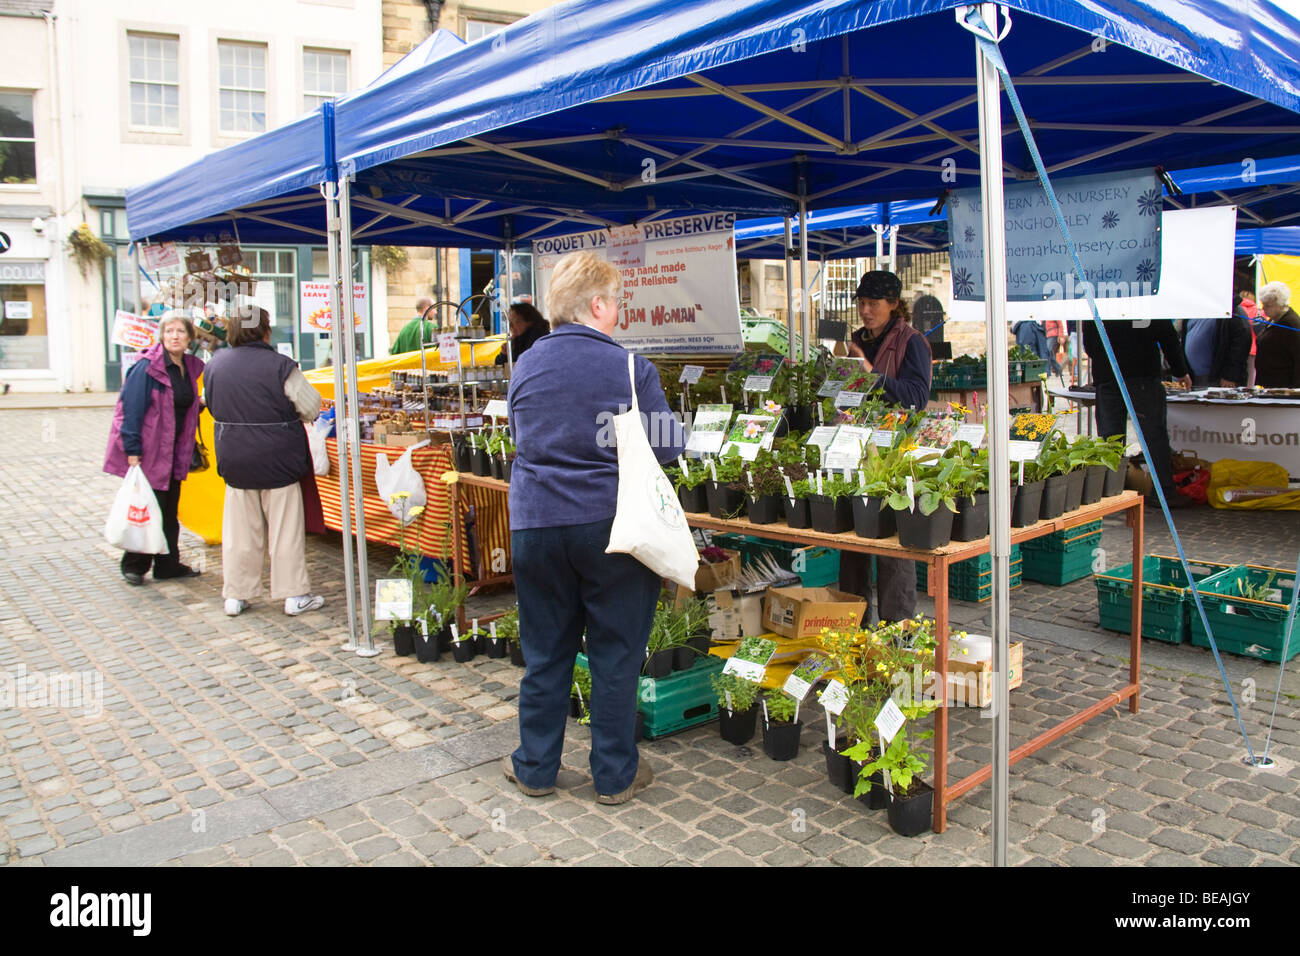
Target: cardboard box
{"x": 802, "y": 612}
{"x": 970, "y": 683}
{"x": 404, "y": 439}
{"x": 723, "y": 574}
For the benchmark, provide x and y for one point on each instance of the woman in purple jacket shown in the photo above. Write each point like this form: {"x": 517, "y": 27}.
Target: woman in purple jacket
{"x": 153, "y": 427}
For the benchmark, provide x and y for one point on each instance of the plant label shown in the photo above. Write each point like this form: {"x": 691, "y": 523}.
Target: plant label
{"x": 805, "y": 675}
{"x": 424, "y": 627}
{"x": 845, "y": 449}
{"x": 882, "y": 439}
{"x": 1023, "y": 451}
{"x": 789, "y": 488}
{"x": 830, "y": 729}
{"x": 690, "y": 374}
{"x": 709, "y": 429}
{"x": 848, "y": 399}
{"x": 496, "y": 409}
{"x": 393, "y": 599}
{"x": 972, "y": 435}
{"x": 911, "y": 495}
{"x": 889, "y": 721}
{"x": 681, "y": 461}
{"x": 745, "y": 670}
{"x": 761, "y": 384}
{"x": 834, "y": 697}
{"x": 492, "y": 630}
{"x": 821, "y": 436}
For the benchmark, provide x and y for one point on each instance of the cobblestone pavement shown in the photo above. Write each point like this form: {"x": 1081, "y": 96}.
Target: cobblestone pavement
{"x": 256, "y": 741}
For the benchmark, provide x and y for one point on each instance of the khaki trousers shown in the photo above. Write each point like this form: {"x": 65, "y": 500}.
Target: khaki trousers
{"x": 254, "y": 517}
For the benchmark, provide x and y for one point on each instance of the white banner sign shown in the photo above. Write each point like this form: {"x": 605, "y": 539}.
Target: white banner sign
{"x": 1243, "y": 431}
{"x": 161, "y": 256}
{"x": 679, "y": 281}
{"x": 314, "y": 306}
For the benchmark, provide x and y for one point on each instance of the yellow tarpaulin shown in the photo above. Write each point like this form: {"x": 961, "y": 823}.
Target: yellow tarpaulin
{"x": 375, "y": 372}
{"x": 1282, "y": 269}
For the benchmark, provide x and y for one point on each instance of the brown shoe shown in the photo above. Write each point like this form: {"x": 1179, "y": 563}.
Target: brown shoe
{"x": 644, "y": 777}
{"x": 508, "y": 768}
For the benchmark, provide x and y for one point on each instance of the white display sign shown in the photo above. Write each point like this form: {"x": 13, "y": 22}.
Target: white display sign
{"x": 679, "y": 281}
{"x": 393, "y": 598}
{"x": 762, "y": 384}
{"x": 448, "y": 348}
{"x": 972, "y": 435}
{"x": 1242, "y": 431}
{"x": 821, "y": 436}
{"x": 709, "y": 429}
{"x": 848, "y": 399}
{"x": 1023, "y": 450}
{"x": 847, "y": 448}
{"x": 834, "y": 697}
{"x": 745, "y": 670}
{"x": 314, "y": 306}
{"x": 496, "y": 409}
{"x": 890, "y": 720}
{"x": 690, "y": 374}
{"x": 18, "y": 310}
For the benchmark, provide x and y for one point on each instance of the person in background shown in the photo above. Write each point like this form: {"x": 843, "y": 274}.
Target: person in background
{"x": 1248, "y": 310}
{"x": 1138, "y": 348}
{"x": 1216, "y": 351}
{"x": 259, "y": 400}
{"x": 563, "y": 496}
{"x": 1277, "y": 362}
{"x": 1054, "y": 329}
{"x": 408, "y": 339}
{"x": 526, "y": 326}
{"x": 154, "y": 425}
{"x": 901, "y": 355}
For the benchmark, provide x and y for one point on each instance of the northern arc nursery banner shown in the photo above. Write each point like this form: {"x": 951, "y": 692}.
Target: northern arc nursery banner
{"x": 1114, "y": 220}
{"x": 679, "y": 281}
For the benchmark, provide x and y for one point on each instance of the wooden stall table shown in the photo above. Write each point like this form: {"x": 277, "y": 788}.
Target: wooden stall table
{"x": 465, "y": 487}
{"x": 937, "y": 563}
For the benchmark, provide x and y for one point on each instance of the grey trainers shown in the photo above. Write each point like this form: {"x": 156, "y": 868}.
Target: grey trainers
{"x": 508, "y": 769}
{"x": 644, "y": 777}
{"x": 306, "y": 602}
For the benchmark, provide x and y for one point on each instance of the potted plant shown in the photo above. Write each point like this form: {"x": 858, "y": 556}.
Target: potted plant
{"x": 666, "y": 633}
{"x": 694, "y": 625}
{"x": 495, "y": 644}
{"x": 911, "y": 800}
{"x": 829, "y": 509}
{"x": 781, "y": 726}
{"x": 796, "y": 508}
{"x": 690, "y": 485}
{"x": 969, "y": 479}
{"x": 1111, "y": 453}
{"x": 880, "y": 472}
{"x": 766, "y": 485}
{"x": 726, "y": 495}
{"x": 462, "y": 453}
{"x": 480, "y": 460}
{"x": 799, "y": 382}
{"x": 580, "y": 695}
{"x": 407, "y": 566}
{"x": 463, "y": 646}
{"x": 442, "y": 600}
{"x": 508, "y": 630}
{"x": 737, "y": 715}
{"x": 925, "y": 520}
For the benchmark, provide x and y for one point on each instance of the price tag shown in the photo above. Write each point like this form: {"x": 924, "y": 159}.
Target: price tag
{"x": 972, "y": 434}
{"x": 1023, "y": 450}
{"x": 882, "y": 439}
{"x": 845, "y": 451}
{"x": 911, "y": 495}
{"x": 745, "y": 670}
{"x": 805, "y": 675}
{"x": 821, "y": 436}
{"x": 835, "y": 697}
{"x": 890, "y": 720}
{"x": 448, "y": 348}
{"x": 848, "y": 399}
{"x": 758, "y": 383}
{"x": 496, "y": 409}
{"x": 691, "y": 374}
{"x": 393, "y": 599}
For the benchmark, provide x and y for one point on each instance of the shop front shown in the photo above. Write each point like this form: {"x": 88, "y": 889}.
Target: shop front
{"x": 25, "y": 315}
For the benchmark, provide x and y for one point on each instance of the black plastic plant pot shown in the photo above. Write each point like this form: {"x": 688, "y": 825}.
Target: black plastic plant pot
{"x": 463, "y": 456}
{"x": 463, "y": 651}
{"x": 912, "y": 815}
{"x": 725, "y": 501}
{"x": 871, "y": 518}
{"x": 1094, "y": 483}
{"x": 496, "y": 647}
{"x": 924, "y": 532}
{"x": 494, "y": 466}
{"x": 1052, "y": 504}
{"x": 659, "y": 664}
{"x": 1114, "y": 483}
{"x": 444, "y": 640}
{"x": 1074, "y": 490}
{"x": 972, "y": 520}
{"x": 1026, "y": 503}
{"x": 516, "y": 654}
{"x": 781, "y": 739}
{"x": 830, "y": 515}
{"x": 701, "y": 643}
{"x": 694, "y": 500}
{"x": 684, "y": 657}
{"x": 481, "y": 463}
{"x": 800, "y": 417}
{"x": 426, "y": 647}
{"x": 765, "y": 509}
{"x": 796, "y": 512}
{"x": 876, "y": 797}
{"x": 506, "y": 465}
{"x": 404, "y": 640}
{"x": 839, "y": 768}
{"x": 575, "y": 707}
{"x": 737, "y": 727}
{"x": 480, "y": 642}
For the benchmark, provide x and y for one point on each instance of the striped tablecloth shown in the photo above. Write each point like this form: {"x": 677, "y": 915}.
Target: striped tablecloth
{"x": 430, "y": 533}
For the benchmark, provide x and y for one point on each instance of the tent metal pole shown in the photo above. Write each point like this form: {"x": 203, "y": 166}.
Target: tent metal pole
{"x": 804, "y": 322}
{"x": 995, "y": 293}
{"x": 509, "y": 229}
{"x": 789, "y": 287}
{"x": 342, "y": 425}
{"x": 367, "y": 647}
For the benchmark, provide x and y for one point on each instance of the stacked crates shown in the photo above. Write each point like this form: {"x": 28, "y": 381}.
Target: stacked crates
{"x": 1168, "y": 608}
{"x": 1063, "y": 556}
{"x": 972, "y": 579}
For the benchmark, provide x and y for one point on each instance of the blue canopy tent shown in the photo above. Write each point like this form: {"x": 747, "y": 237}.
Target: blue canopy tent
{"x": 621, "y": 109}
{"x": 1279, "y": 240}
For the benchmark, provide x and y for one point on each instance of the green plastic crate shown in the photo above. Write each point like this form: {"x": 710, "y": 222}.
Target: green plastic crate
{"x": 1166, "y": 603}
{"x": 767, "y": 335}
{"x": 1244, "y": 626}
{"x": 1068, "y": 540}
{"x": 821, "y": 566}
{"x": 1015, "y": 372}
{"x": 1034, "y": 370}
{"x": 978, "y": 590}
{"x": 1061, "y": 567}
{"x": 682, "y": 700}
{"x": 979, "y": 565}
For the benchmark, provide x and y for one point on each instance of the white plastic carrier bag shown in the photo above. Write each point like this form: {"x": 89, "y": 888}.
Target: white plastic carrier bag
{"x": 320, "y": 456}
{"x": 649, "y": 523}
{"x": 135, "y": 520}
{"x": 400, "y": 476}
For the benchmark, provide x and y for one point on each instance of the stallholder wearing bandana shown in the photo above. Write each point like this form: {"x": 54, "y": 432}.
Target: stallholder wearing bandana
{"x": 901, "y": 354}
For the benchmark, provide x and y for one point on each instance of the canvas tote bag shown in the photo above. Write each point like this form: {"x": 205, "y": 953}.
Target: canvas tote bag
{"x": 649, "y": 523}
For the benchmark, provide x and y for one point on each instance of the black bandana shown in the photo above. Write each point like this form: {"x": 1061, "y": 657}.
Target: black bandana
{"x": 879, "y": 284}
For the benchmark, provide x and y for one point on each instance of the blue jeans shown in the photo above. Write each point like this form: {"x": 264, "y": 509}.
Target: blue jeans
{"x": 566, "y": 582}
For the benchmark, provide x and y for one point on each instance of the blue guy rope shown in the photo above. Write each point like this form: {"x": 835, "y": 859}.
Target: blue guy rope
{"x": 1286, "y": 647}
{"x": 995, "y": 57}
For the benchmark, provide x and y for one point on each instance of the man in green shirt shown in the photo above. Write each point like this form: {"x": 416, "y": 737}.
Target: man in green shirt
{"x": 408, "y": 340}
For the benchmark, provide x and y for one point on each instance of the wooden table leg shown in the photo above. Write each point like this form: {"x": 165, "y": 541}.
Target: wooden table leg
{"x": 939, "y": 580}
{"x": 457, "y": 535}
{"x": 1135, "y": 629}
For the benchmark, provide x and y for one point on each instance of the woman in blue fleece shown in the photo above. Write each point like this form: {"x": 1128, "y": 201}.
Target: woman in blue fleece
{"x": 563, "y": 494}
